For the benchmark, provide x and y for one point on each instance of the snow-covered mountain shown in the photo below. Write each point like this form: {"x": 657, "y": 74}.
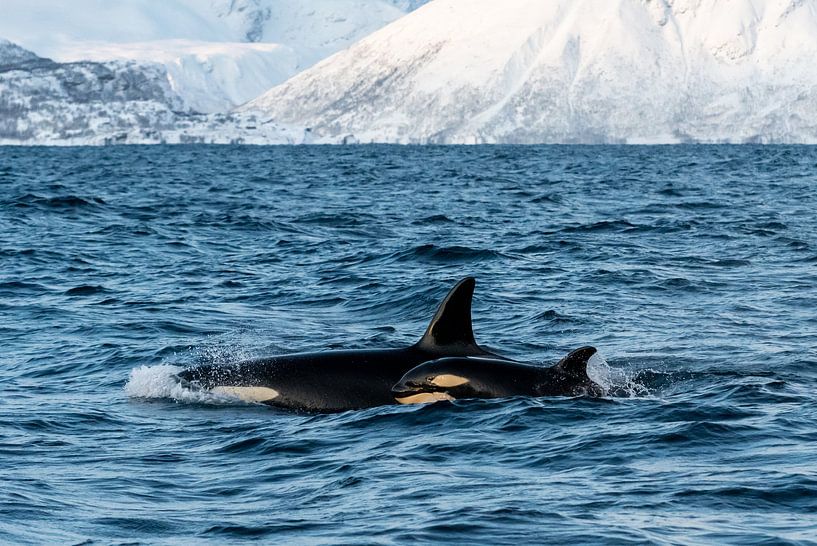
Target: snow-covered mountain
{"x": 45, "y": 102}
{"x": 216, "y": 53}
{"x": 463, "y": 71}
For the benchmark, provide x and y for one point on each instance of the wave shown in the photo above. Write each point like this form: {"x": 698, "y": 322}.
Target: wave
{"x": 619, "y": 382}
{"x": 58, "y": 202}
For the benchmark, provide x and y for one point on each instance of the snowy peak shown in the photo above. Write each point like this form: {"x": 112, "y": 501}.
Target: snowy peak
{"x": 13, "y": 56}
{"x": 45, "y": 102}
{"x": 569, "y": 71}
{"x": 317, "y": 22}
{"x": 217, "y": 53}
{"x": 250, "y": 16}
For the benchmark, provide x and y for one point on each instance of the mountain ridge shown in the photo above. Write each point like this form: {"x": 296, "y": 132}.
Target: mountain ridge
{"x": 581, "y": 71}
{"x": 117, "y": 102}
{"x": 217, "y": 53}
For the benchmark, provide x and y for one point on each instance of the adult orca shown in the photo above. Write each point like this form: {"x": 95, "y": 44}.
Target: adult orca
{"x": 480, "y": 377}
{"x": 342, "y": 380}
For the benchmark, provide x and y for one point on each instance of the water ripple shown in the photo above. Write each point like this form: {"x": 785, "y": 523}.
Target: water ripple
{"x": 691, "y": 268}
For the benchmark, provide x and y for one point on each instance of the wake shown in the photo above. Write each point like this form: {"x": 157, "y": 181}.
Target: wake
{"x": 162, "y": 382}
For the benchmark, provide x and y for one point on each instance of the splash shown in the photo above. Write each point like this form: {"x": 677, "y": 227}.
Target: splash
{"x": 616, "y": 382}
{"x": 162, "y": 382}
{"x": 228, "y": 350}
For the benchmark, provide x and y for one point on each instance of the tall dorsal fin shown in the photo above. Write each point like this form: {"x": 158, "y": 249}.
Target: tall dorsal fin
{"x": 451, "y": 325}
{"x": 575, "y": 363}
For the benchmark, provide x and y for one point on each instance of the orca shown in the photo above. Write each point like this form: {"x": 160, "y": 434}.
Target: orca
{"x": 451, "y": 378}
{"x": 334, "y": 381}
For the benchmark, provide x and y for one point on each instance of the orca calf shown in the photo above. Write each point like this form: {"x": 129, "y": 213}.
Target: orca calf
{"x": 343, "y": 380}
{"x": 480, "y": 377}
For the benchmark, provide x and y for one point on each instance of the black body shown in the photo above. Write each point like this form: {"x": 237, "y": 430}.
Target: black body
{"x": 479, "y": 377}
{"x": 343, "y": 380}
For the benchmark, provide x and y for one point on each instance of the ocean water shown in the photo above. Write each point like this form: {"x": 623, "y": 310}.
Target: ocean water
{"x": 692, "y": 269}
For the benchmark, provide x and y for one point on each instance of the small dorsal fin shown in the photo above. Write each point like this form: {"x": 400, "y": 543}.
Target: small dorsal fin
{"x": 451, "y": 325}
{"x": 575, "y": 363}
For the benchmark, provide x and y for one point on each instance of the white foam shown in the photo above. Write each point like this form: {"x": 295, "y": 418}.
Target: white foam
{"x": 614, "y": 379}
{"x": 162, "y": 382}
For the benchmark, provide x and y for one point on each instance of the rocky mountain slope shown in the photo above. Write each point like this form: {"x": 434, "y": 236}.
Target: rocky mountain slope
{"x": 45, "y": 102}
{"x": 216, "y": 53}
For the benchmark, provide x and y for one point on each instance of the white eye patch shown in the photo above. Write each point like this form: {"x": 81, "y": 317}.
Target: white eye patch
{"x": 448, "y": 380}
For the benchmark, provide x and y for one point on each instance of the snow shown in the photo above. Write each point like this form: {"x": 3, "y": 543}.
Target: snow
{"x": 209, "y": 76}
{"x": 115, "y": 102}
{"x": 12, "y": 54}
{"x": 451, "y": 71}
{"x": 530, "y": 71}
{"x": 217, "y": 53}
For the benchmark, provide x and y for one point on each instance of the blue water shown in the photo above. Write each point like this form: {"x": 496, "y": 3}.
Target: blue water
{"x": 692, "y": 269}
